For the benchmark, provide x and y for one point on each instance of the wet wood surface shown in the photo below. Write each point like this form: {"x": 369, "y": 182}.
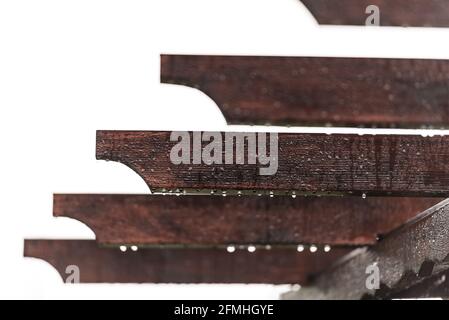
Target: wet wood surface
{"x": 433, "y": 287}
{"x": 319, "y": 91}
{"x": 220, "y": 221}
{"x": 189, "y": 266}
{"x": 415, "y": 13}
{"x": 405, "y": 263}
{"x": 372, "y": 165}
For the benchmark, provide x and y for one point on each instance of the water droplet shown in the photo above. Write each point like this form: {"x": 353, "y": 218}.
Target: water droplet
{"x": 230, "y": 249}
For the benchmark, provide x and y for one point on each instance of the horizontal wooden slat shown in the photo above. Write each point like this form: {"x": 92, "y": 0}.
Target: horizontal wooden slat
{"x": 104, "y": 265}
{"x": 416, "y": 13}
{"x": 407, "y": 260}
{"x": 219, "y": 221}
{"x": 307, "y": 163}
{"x": 318, "y": 91}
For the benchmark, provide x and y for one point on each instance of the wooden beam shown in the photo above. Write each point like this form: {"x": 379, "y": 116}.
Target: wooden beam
{"x": 407, "y": 259}
{"x": 219, "y": 221}
{"x": 433, "y": 287}
{"x": 368, "y": 92}
{"x": 105, "y": 265}
{"x": 418, "y": 13}
{"x": 373, "y": 165}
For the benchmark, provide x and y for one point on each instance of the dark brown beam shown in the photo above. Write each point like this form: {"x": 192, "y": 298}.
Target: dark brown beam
{"x": 217, "y": 221}
{"x": 436, "y": 286}
{"x": 318, "y": 91}
{"x": 102, "y": 265}
{"x": 415, "y": 13}
{"x": 407, "y": 258}
{"x": 398, "y": 165}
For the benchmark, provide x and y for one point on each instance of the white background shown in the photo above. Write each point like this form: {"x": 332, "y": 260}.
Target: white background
{"x": 68, "y": 68}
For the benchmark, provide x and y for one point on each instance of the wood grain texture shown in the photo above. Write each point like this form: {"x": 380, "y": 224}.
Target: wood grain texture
{"x": 415, "y": 13}
{"x": 318, "y": 91}
{"x": 407, "y": 258}
{"x": 376, "y": 165}
{"x": 101, "y": 265}
{"x": 220, "y": 221}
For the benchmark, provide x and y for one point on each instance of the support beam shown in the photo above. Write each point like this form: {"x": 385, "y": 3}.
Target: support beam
{"x": 211, "y": 221}
{"x": 414, "y": 13}
{"x": 179, "y": 265}
{"x": 415, "y": 255}
{"x": 368, "y": 92}
{"x": 307, "y": 164}
{"x": 436, "y": 286}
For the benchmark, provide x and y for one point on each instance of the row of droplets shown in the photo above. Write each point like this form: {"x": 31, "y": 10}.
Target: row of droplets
{"x": 299, "y": 248}
{"x": 239, "y": 193}
{"x": 251, "y": 249}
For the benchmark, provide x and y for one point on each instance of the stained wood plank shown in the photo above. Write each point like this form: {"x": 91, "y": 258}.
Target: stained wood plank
{"x": 219, "y": 221}
{"x": 407, "y": 258}
{"x": 103, "y": 265}
{"x": 318, "y": 91}
{"x": 375, "y": 165}
{"x": 416, "y": 13}
{"x": 436, "y": 286}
